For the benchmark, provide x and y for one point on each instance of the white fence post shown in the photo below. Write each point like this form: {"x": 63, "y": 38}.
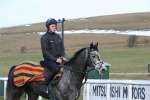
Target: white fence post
{"x": 130, "y": 92}
{"x": 5, "y": 86}
{"x": 108, "y": 91}
{"x": 40, "y": 98}
{"x": 4, "y": 79}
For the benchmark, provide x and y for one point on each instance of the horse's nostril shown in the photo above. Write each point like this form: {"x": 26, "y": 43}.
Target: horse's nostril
{"x": 103, "y": 70}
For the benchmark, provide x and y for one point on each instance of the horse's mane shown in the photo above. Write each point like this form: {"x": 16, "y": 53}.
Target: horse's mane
{"x": 75, "y": 55}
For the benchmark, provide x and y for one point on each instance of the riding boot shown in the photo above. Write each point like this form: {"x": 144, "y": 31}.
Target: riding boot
{"x": 51, "y": 92}
{"x": 49, "y": 74}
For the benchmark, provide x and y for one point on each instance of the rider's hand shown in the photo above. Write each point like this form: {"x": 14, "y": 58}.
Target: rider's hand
{"x": 63, "y": 58}
{"x": 59, "y": 60}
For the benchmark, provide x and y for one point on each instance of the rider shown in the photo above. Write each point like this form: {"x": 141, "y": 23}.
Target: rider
{"x": 52, "y": 48}
{"x": 53, "y": 51}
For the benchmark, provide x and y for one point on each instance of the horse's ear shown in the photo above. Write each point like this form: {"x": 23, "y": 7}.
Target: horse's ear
{"x": 96, "y": 44}
{"x": 91, "y": 45}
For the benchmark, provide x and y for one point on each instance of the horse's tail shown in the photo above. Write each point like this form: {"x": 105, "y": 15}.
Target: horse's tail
{"x": 10, "y": 74}
{"x": 10, "y": 84}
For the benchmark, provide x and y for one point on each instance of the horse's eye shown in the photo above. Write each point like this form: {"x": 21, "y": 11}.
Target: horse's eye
{"x": 93, "y": 56}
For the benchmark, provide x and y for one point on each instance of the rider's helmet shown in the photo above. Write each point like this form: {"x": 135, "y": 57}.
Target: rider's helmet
{"x": 50, "y": 21}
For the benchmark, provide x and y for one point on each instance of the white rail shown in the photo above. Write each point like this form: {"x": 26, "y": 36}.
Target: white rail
{"x": 129, "y": 73}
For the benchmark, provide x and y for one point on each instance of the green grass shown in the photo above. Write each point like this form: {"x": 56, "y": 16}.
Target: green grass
{"x": 122, "y": 59}
{"x": 13, "y": 59}
{"x": 6, "y": 61}
{"x": 127, "y": 59}
{"x": 1, "y": 98}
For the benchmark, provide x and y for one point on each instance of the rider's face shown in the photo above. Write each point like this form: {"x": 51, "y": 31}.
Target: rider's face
{"x": 52, "y": 27}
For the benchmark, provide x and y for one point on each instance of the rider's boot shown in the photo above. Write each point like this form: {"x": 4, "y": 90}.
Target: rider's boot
{"x": 50, "y": 87}
{"x": 51, "y": 92}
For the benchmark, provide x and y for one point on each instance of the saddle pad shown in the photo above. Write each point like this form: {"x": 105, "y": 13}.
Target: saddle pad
{"x": 24, "y": 73}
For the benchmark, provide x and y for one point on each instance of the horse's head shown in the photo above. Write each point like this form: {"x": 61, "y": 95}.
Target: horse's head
{"x": 87, "y": 59}
{"x": 94, "y": 60}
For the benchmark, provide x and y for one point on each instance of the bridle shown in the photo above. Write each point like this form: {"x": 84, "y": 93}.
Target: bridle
{"x": 100, "y": 62}
{"x": 90, "y": 54}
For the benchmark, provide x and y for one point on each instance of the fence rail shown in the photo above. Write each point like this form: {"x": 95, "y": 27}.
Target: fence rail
{"x": 129, "y": 73}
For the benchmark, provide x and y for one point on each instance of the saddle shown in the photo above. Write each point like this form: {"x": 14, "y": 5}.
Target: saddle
{"x": 29, "y": 72}
{"x": 59, "y": 71}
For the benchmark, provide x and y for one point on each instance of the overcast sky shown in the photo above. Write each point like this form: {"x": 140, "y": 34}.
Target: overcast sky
{"x": 17, "y": 12}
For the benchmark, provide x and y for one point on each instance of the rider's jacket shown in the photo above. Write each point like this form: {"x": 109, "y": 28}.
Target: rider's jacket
{"x": 52, "y": 46}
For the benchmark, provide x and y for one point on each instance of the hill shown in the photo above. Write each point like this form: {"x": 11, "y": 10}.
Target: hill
{"x": 130, "y": 21}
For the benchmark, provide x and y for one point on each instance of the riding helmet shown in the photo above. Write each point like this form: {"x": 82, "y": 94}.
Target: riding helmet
{"x": 50, "y": 21}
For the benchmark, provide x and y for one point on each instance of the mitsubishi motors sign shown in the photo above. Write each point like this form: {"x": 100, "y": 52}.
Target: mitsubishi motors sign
{"x": 116, "y": 90}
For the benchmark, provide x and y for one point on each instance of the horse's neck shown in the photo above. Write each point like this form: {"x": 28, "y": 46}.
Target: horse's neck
{"x": 75, "y": 77}
{"x": 77, "y": 63}
{"x": 75, "y": 70}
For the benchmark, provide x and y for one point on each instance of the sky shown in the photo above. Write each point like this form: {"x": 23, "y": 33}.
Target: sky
{"x": 19, "y": 12}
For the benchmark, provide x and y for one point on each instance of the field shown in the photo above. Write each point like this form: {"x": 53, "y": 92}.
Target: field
{"x": 113, "y": 49}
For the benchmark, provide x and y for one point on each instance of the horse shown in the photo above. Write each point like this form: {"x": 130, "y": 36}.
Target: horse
{"x": 73, "y": 77}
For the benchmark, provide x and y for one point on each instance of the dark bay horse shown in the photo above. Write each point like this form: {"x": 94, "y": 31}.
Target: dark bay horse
{"x": 68, "y": 88}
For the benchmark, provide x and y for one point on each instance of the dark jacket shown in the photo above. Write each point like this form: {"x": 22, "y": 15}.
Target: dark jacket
{"x": 52, "y": 46}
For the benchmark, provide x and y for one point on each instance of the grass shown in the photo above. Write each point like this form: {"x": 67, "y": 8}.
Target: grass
{"x": 8, "y": 61}
{"x": 122, "y": 60}
{"x": 1, "y": 98}
{"x": 127, "y": 60}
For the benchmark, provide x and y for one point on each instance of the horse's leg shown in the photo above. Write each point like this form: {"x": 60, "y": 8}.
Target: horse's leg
{"x": 32, "y": 95}
{"x": 38, "y": 88}
{"x": 14, "y": 93}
